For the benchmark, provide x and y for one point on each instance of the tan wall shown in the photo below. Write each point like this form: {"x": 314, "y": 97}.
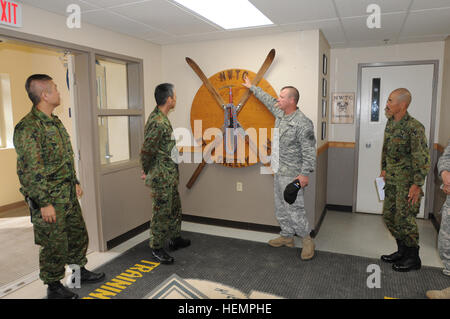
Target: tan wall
{"x": 20, "y": 62}
{"x": 444, "y": 129}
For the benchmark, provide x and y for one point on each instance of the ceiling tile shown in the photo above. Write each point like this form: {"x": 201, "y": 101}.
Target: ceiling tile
{"x": 166, "y": 16}
{"x": 288, "y": 11}
{"x": 331, "y": 29}
{"x": 356, "y": 28}
{"x": 112, "y": 3}
{"x": 355, "y": 8}
{"x": 114, "y": 22}
{"x": 429, "y": 22}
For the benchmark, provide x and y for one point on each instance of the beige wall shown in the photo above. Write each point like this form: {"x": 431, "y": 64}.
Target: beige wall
{"x": 296, "y": 63}
{"x": 344, "y": 74}
{"x": 444, "y": 129}
{"x": 20, "y": 62}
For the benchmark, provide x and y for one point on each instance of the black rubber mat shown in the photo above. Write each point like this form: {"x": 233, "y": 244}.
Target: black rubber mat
{"x": 249, "y": 266}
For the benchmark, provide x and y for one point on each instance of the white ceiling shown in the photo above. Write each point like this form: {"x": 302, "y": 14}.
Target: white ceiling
{"x": 343, "y": 22}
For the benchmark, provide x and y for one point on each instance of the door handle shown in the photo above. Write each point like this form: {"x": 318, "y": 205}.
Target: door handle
{"x": 368, "y": 145}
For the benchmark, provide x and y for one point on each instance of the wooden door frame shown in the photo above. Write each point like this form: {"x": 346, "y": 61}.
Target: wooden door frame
{"x": 430, "y": 182}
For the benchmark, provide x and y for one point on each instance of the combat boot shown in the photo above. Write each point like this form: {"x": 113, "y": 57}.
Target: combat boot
{"x": 307, "y": 248}
{"x": 178, "y": 243}
{"x": 410, "y": 261}
{"x": 439, "y": 294}
{"x": 91, "y": 277}
{"x": 397, "y": 256}
{"x": 162, "y": 256}
{"x": 56, "y": 290}
{"x": 282, "y": 241}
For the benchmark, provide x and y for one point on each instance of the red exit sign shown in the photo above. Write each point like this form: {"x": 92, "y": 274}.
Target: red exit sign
{"x": 10, "y": 13}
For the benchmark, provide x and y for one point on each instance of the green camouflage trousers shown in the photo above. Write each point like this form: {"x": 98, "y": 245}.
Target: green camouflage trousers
{"x": 399, "y": 215}
{"x": 166, "y": 220}
{"x": 63, "y": 242}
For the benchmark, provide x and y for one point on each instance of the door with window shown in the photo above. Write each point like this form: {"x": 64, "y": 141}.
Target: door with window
{"x": 376, "y": 85}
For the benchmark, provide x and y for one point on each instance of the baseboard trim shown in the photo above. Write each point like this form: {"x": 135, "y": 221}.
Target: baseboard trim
{"x": 341, "y": 208}
{"x": 12, "y": 206}
{"x": 231, "y": 224}
{"x": 126, "y": 236}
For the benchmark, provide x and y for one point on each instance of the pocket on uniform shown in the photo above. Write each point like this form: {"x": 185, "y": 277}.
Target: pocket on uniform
{"x": 41, "y": 232}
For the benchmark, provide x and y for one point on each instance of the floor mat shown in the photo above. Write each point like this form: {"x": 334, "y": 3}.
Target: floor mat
{"x": 220, "y": 267}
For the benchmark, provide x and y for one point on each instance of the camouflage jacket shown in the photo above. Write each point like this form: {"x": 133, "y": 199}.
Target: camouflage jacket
{"x": 297, "y": 144}
{"x": 156, "y": 152}
{"x": 405, "y": 155}
{"x": 45, "y": 159}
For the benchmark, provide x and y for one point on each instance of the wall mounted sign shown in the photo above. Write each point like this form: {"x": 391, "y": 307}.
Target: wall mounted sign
{"x": 11, "y": 13}
{"x": 242, "y": 113}
{"x": 342, "y": 108}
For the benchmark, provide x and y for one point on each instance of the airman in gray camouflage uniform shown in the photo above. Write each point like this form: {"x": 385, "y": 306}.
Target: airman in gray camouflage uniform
{"x": 444, "y": 231}
{"x": 45, "y": 166}
{"x": 161, "y": 175}
{"x": 296, "y": 160}
{"x": 405, "y": 162}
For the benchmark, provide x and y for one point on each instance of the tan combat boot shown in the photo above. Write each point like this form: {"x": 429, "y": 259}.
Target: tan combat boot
{"x": 439, "y": 294}
{"x": 307, "y": 248}
{"x": 282, "y": 241}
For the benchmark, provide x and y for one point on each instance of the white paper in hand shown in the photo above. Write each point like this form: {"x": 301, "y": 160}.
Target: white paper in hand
{"x": 379, "y": 181}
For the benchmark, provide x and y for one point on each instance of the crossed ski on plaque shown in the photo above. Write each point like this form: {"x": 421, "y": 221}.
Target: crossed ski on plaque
{"x": 231, "y": 129}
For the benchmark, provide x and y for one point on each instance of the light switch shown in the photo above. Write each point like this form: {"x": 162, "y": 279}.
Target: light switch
{"x": 239, "y": 186}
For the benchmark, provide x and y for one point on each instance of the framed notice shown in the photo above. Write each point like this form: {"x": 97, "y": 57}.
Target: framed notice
{"x": 324, "y": 130}
{"x": 342, "y": 108}
{"x": 324, "y": 108}
{"x": 324, "y": 87}
{"x": 324, "y": 64}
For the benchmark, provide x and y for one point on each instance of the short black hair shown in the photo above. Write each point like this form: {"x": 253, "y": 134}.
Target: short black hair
{"x": 31, "y": 93}
{"x": 293, "y": 93}
{"x": 162, "y": 93}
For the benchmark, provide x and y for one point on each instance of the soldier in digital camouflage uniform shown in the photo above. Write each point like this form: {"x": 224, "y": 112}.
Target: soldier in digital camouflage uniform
{"x": 296, "y": 160}
{"x": 161, "y": 174}
{"x": 444, "y": 231}
{"x": 405, "y": 162}
{"x": 45, "y": 166}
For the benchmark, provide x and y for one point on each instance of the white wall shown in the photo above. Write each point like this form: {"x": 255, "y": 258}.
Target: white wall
{"x": 344, "y": 74}
{"x": 295, "y": 64}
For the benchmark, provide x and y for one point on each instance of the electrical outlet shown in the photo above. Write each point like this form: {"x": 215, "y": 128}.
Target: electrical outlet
{"x": 239, "y": 186}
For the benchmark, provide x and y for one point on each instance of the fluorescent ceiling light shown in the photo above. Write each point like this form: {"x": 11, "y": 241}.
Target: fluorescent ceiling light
{"x": 229, "y": 14}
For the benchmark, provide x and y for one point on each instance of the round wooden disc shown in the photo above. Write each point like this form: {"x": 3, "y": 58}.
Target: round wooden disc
{"x": 253, "y": 115}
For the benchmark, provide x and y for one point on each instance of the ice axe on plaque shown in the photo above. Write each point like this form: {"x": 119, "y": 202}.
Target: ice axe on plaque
{"x": 221, "y": 103}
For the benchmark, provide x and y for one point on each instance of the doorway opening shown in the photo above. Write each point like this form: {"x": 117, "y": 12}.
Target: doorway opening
{"x": 19, "y": 259}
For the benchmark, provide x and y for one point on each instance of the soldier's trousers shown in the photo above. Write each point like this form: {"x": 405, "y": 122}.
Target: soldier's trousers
{"x": 444, "y": 236}
{"x": 63, "y": 242}
{"x": 399, "y": 215}
{"x": 166, "y": 219}
{"x": 292, "y": 218}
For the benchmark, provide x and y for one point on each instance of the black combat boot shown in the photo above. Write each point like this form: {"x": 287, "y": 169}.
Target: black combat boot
{"x": 178, "y": 243}
{"x": 411, "y": 260}
{"x": 162, "y": 256}
{"x": 91, "y": 277}
{"x": 397, "y": 256}
{"x": 56, "y": 290}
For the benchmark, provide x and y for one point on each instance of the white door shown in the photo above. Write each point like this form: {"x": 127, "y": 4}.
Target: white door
{"x": 418, "y": 79}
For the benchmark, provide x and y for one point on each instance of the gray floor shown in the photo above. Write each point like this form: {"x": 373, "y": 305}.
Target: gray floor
{"x": 19, "y": 255}
{"x": 346, "y": 233}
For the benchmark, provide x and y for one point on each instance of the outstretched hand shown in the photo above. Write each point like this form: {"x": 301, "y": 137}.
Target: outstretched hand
{"x": 247, "y": 82}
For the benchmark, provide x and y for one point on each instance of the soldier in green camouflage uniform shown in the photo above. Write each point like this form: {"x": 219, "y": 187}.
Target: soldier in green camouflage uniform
{"x": 162, "y": 176}
{"x": 405, "y": 163}
{"x": 45, "y": 166}
{"x": 444, "y": 231}
{"x": 296, "y": 159}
